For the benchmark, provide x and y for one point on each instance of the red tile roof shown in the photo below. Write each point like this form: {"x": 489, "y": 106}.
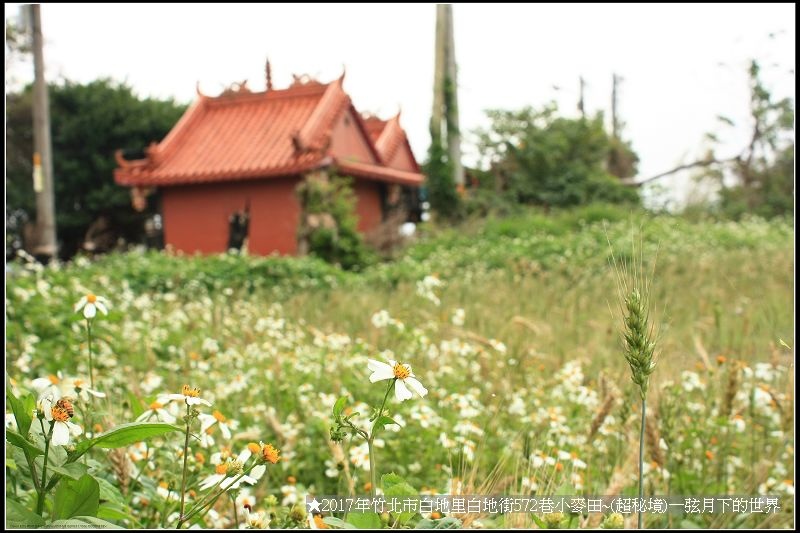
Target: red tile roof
{"x": 388, "y": 137}
{"x": 245, "y": 135}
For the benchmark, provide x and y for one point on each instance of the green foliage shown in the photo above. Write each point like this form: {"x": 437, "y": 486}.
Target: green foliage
{"x": 764, "y": 171}
{"x": 76, "y": 498}
{"x": 440, "y": 186}
{"x": 540, "y": 158}
{"x": 340, "y": 242}
{"x": 89, "y": 122}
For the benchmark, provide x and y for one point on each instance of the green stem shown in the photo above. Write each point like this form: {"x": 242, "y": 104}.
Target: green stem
{"x": 235, "y": 512}
{"x": 211, "y": 502}
{"x": 40, "y": 499}
{"x": 185, "y": 463}
{"x": 641, "y": 462}
{"x": 91, "y": 357}
{"x": 372, "y": 471}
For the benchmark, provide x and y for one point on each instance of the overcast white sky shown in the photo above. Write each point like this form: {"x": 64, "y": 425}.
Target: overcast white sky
{"x": 682, "y": 64}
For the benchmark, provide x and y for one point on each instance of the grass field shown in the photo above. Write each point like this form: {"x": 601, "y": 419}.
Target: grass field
{"x": 512, "y": 325}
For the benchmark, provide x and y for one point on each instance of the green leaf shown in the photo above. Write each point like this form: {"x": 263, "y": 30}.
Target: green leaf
{"x": 112, "y": 511}
{"x": 109, "y": 492}
{"x": 448, "y": 522}
{"x": 338, "y": 407}
{"x": 425, "y": 523}
{"x": 124, "y": 435}
{"x": 22, "y": 410}
{"x": 19, "y": 441}
{"x": 77, "y": 498}
{"x": 338, "y": 523}
{"x": 136, "y": 405}
{"x": 82, "y": 522}
{"x": 396, "y": 486}
{"x": 368, "y": 520}
{"x": 17, "y": 516}
{"x": 384, "y": 421}
{"x": 70, "y": 470}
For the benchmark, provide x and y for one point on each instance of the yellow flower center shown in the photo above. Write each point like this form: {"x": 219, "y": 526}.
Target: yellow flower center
{"x": 210, "y": 430}
{"x": 53, "y": 379}
{"x": 222, "y": 469}
{"x": 270, "y": 453}
{"x": 219, "y": 416}
{"x": 253, "y": 447}
{"x": 192, "y": 392}
{"x": 78, "y": 383}
{"x": 91, "y": 298}
{"x": 319, "y": 523}
{"x": 401, "y": 372}
{"x": 163, "y": 485}
{"x": 156, "y": 405}
{"x": 200, "y": 458}
{"x": 59, "y": 414}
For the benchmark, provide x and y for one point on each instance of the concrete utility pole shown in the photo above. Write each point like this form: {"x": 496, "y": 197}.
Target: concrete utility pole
{"x": 445, "y": 110}
{"x": 45, "y": 247}
{"x": 614, "y": 119}
{"x": 453, "y": 127}
{"x": 581, "y": 106}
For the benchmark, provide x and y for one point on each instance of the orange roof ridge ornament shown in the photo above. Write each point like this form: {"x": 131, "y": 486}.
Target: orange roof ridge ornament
{"x": 268, "y": 74}
{"x": 121, "y": 161}
{"x": 198, "y": 91}
{"x": 344, "y": 71}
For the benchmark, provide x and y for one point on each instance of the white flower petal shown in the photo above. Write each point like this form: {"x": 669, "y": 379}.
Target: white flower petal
{"x": 96, "y": 394}
{"x": 60, "y": 434}
{"x": 190, "y": 400}
{"x": 380, "y": 370}
{"x": 258, "y": 471}
{"x": 416, "y": 386}
{"x": 225, "y": 431}
{"x": 401, "y": 392}
{"x": 172, "y": 397}
{"x": 89, "y": 311}
{"x": 74, "y": 429}
{"x": 210, "y": 481}
{"x": 244, "y": 456}
{"x": 80, "y": 304}
{"x": 101, "y": 307}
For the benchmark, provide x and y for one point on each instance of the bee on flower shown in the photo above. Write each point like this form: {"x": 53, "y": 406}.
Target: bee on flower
{"x": 401, "y": 373}
{"x": 58, "y": 413}
{"x": 90, "y": 304}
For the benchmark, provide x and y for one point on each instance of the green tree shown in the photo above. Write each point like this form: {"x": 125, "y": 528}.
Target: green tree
{"x": 89, "y": 123}
{"x": 541, "y": 158}
{"x": 764, "y": 171}
{"x": 330, "y": 223}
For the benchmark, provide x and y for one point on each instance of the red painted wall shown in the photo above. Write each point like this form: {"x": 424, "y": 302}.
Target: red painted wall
{"x": 368, "y": 204}
{"x": 196, "y": 216}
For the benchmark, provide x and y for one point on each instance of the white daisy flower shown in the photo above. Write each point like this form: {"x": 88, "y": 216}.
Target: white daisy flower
{"x": 189, "y": 395}
{"x": 90, "y": 304}
{"x": 158, "y": 413}
{"x": 227, "y": 472}
{"x": 80, "y": 388}
{"x": 400, "y": 372}
{"x": 216, "y": 418}
{"x": 257, "y": 520}
{"x": 49, "y": 386}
